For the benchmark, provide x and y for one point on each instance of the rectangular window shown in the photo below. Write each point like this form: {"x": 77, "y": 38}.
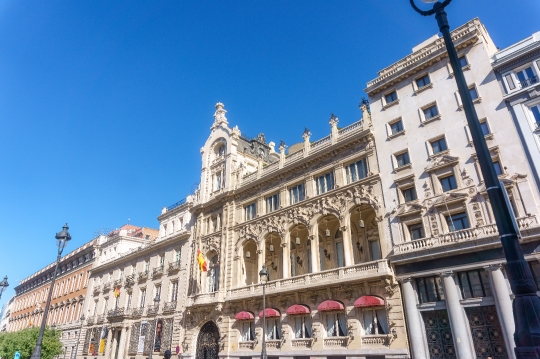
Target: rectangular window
{"x": 422, "y": 81}
{"x": 463, "y": 61}
{"x": 356, "y": 171}
{"x": 448, "y": 183}
{"x": 161, "y": 261}
{"x": 336, "y": 324}
{"x": 143, "y": 298}
{"x": 174, "y": 292}
{"x": 409, "y": 194}
{"x": 147, "y": 266}
{"x": 177, "y": 255}
{"x": 431, "y": 112}
{"x": 375, "y": 321}
{"x": 302, "y": 326}
{"x": 375, "y": 250}
{"x": 396, "y": 127}
{"x": 273, "y": 329}
{"x": 536, "y": 113}
{"x": 128, "y": 301}
{"x": 158, "y": 292}
{"x": 474, "y": 284}
{"x": 272, "y": 203}
{"x": 340, "y": 254}
{"x": 325, "y": 183}
{"x": 526, "y": 77}
{"x": 498, "y": 169}
{"x": 510, "y": 82}
{"x": 438, "y": 145}
{"x": 250, "y": 211}
{"x": 248, "y": 332}
{"x": 473, "y": 92}
{"x": 429, "y": 289}
{"x": 297, "y": 193}
{"x": 391, "y": 97}
{"x": 403, "y": 159}
{"x": 485, "y": 128}
{"x": 457, "y": 222}
{"x": 416, "y": 231}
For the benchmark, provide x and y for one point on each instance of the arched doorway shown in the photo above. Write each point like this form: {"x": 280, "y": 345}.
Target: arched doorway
{"x": 208, "y": 342}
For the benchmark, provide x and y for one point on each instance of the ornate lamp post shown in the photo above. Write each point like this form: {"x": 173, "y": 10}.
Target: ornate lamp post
{"x": 263, "y": 274}
{"x": 526, "y": 305}
{"x": 156, "y": 303}
{"x": 3, "y": 285}
{"x": 61, "y": 240}
{"x": 78, "y": 337}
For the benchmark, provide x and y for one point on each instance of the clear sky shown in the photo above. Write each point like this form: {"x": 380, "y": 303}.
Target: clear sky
{"x": 104, "y": 105}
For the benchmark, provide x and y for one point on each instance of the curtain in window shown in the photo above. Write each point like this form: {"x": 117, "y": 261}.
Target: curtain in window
{"x": 216, "y": 278}
{"x": 368, "y": 322}
{"x": 340, "y": 254}
{"x": 375, "y": 250}
{"x": 342, "y": 324}
{"x": 278, "y": 329}
{"x": 293, "y": 264}
{"x": 331, "y": 325}
{"x": 307, "y": 326}
{"x": 245, "y": 331}
{"x": 298, "y": 327}
{"x": 251, "y": 331}
{"x": 321, "y": 255}
{"x": 269, "y": 329}
{"x": 309, "y": 260}
{"x": 383, "y": 320}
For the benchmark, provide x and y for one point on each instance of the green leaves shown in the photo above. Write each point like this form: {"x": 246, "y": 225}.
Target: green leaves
{"x": 24, "y": 342}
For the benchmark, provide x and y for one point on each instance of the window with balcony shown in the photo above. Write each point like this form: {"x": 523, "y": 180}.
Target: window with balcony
{"x": 430, "y": 112}
{"x": 416, "y": 231}
{"x": 217, "y": 181}
{"x": 409, "y": 194}
{"x": 402, "y": 159}
{"x": 526, "y": 77}
{"x": 302, "y": 326}
{"x": 396, "y": 127}
{"x": 438, "y": 145}
{"x": 391, "y": 97}
{"x": 336, "y": 324}
{"x": 375, "y": 249}
{"x": 273, "y": 329}
{"x": 430, "y": 289}
{"x": 247, "y": 331}
{"x": 146, "y": 266}
{"x": 474, "y": 284}
{"x": 162, "y": 260}
{"x": 422, "y": 81}
{"x": 448, "y": 183}
{"x": 250, "y": 211}
{"x": 157, "y": 291}
{"x": 356, "y": 171}
{"x": 272, "y": 203}
{"x": 375, "y": 321}
{"x": 128, "y": 300}
{"x": 457, "y": 222}
{"x": 297, "y": 193}
{"x": 325, "y": 183}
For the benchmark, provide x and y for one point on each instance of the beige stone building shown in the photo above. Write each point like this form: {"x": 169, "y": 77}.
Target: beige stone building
{"x": 315, "y": 216}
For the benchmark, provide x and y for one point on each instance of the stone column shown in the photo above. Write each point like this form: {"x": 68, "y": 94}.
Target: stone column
{"x": 286, "y": 253}
{"x": 314, "y": 237}
{"x": 123, "y": 343}
{"x": 416, "y": 332}
{"x": 109, "y": 344}
{"x": 503, "y": 303}
{"x": 339, "y": 175}
{"x": 458, "y": 321}
{"x": 347, "y": 243}
{"x": 310, "y": 187}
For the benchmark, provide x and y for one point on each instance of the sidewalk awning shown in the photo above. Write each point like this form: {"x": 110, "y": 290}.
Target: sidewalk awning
{"x": 244, "y": 316}
{"x": 368, "y": 301}
{"x": 298, "y": 309}
{"x": 270, "y": 313}
{"x": 329, "y": 305}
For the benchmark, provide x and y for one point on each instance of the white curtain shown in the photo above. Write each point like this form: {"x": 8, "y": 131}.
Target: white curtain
{"x": 368, "y": 322}
{"x": 383, "y": 320}
{"x": 269, "y": 328}
{"x": 331, "y": 324}
{"x": 298, "y": 327}
{"x": 307, "y": 326}
{"x": 245, "y": 331}
{"x": 342, "y": 324}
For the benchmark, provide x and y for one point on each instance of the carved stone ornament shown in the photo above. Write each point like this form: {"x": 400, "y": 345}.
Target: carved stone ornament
{"x": 444, "y": 160}
{"x": 219, "y": 116}
{"x": 235, "y": 132}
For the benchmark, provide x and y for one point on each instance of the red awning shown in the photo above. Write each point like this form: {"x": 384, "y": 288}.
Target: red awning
{"x": 298, "y": 309}
{"x": 329, "y": 305}
{"x": 244, "y": 316}
{"x": 368, "y": 301}
{"x": 270, "y": 313}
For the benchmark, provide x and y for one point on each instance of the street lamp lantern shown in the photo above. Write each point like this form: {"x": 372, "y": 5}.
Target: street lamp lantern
{"x": 61, "y": 240}
{"x": 264, "y": 274}
{"x": 526, "y": 303}
{"x": 3, "y": 285}
{"x": 264, "y": 277}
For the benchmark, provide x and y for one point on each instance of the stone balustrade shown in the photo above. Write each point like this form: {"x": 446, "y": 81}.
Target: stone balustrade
{"x": 376, "y": 340}
{"x": 273, "y": 344}
{"x": 250, "y": 345}
{"x": 365, "y": 270}
{"x": 336, "y": 342}
{"x": 302, "y": 343}
{"x": 206, "y": 298}
{"x": 464, "y": 235}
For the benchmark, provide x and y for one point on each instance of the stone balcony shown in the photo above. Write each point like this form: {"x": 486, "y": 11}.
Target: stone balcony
{"x": 106, "y": 286}
{"x": 152, "y": 310}
{"x": 367, "y": 270}
{"x": 130, "y": 279}
{"x": 118, "y": 283}
{"x": 97, "y": 289}
{"x": 469, "y": 238}
{"x": 302, "y": 343}
{"x": 336, "y": 342}
{"x": 273, "y": 344}
{"x": 117, "y": 314}
{"x": 206, "y": 298}
{"x": 137, "y": 312}
{"x": 143, "y": 276}
{"x": 173, "y": 267}
{"x": 376, "y": 340}
{"x": 249, "y": 345}
{"x": 157, "y": 272}
{"x": 90, "y": 321}
{"x": 169, "y": 307}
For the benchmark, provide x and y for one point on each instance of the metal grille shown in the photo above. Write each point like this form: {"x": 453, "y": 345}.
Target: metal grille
{"x": 208, "y": 342}
{"x": 86, "y": 344}
{"x": 486, "y": 332}
{"x": 134, "y": 338}
{"x": 439, "y": 335}
{"x": 149, "y": 340}
{"x": 167, "y": 334}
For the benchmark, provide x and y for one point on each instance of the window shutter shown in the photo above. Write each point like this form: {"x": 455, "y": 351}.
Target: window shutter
{"x": 510, "y": 81}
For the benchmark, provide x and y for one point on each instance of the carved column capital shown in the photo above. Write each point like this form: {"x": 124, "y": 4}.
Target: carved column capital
{"x": 447, "y": 273}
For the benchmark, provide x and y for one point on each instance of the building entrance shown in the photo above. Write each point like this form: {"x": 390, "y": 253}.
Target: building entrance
{"x": 207, "y": 342}
{"x": 439, "y": 335}
{"x": 486, "y": 332}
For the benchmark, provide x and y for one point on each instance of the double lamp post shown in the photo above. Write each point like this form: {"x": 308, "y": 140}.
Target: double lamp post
{"x": 526, "y": 304}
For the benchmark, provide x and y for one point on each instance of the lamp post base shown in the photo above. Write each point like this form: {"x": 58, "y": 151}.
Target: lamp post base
{"x": 36, "y": 354}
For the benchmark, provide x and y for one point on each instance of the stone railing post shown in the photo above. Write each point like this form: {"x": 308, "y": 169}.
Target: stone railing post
{"x": 333, "y": 128}
{"x": 307, "y": 145}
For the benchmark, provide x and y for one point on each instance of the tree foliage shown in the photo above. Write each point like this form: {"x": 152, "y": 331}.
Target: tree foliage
{"x": 24, "y": 342}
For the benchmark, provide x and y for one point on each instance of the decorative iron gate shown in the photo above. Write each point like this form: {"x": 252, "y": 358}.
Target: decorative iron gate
{"x": 208, "y": 342}
{"x": 439, "y": 335}
{"x": 486, "y": 332}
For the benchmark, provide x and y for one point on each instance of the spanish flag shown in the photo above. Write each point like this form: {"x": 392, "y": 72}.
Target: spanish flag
{"x": 116, "y": 292}
{"x": 201, "y": 260}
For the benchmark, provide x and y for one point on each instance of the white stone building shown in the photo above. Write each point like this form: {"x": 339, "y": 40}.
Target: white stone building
{"x": 6, "y": 313}
{"x": 137, "y": 290}
{"x": 445, "y": 248}
{"x": 315, "y": 218}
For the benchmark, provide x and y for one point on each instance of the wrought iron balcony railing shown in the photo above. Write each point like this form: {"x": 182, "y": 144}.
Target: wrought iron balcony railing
{"x": 169, "y": 307}
{"x": 529, "y": 82}
{"x": 173, "y": 267}
{"x": 137, "y": 312}
{"x": 142, "y": 276}
{"x": 130, "y": 279}
{"x": 152, "y": 310}
{"x": 158, "y": 271}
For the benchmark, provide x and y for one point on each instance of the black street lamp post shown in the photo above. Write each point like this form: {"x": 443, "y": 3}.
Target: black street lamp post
{"x": 3, "y": 285}
{"x": 526, "y": 305}
{"x": 78, "y": 337}
{"x": 61, "y": 240}
{"x": 156, "y": 307}
{"x": 263, "y": 274}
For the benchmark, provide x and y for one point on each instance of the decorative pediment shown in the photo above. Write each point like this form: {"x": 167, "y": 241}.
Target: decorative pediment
{"x": 448, "y": 198}
{"x": 442, "y": 161}
{"x": 409, "y": 208}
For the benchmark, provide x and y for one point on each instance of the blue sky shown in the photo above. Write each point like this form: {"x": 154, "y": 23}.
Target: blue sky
{"x": 104, "y": 105}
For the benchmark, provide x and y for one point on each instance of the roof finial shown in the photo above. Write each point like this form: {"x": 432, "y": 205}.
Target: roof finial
{"x": 219, "y": 116}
